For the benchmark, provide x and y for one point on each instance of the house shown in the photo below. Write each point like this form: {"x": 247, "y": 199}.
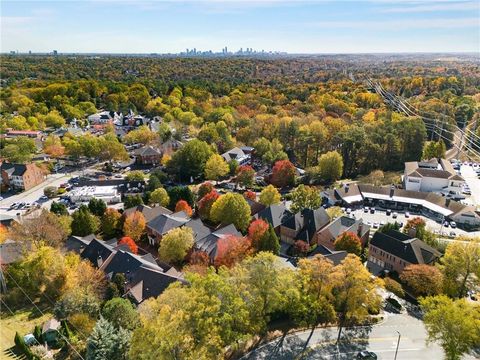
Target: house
{"x": 275, "y": 215}
{"x": 160, "y": 225}
{"x": 255, "y": 206}
{"x": 327, "y": 236}
{"x": 430, "y": 176}
{"x": 241, "y": 155}
{"x": 336, "y": 257}
{"x": 104, "y": 118}
{"x": 209, "y": 243}
{"x": 77, "y": 244}
{"x": 147, "y": 155}
{"x": 147, "y": 282}
{"x": 50, "y": 330}
{"x": 132, "y": 120}
{"x": 393, "y": 251}
{"x": 144, "y": 276}
{"x": 21, "y": 176}
{"x": 148, "y": 212}
{"x": 304, "y": 226}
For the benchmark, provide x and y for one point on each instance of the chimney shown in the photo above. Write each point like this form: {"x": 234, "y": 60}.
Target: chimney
{"x": 99, "y": 261}
{"x": 447, "y": 202}
{"x": 346, "y": 188}
{"x": 392, "y": 190}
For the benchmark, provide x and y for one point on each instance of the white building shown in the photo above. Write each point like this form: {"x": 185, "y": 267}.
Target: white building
{"x": 105, "y": 117}
{"x": 241, "y": 155}
{"x": 109, "y": 194}
{"x": 432, "y": 176}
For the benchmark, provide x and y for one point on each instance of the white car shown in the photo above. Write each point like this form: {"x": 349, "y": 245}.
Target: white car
{"x": 407, "y": 214}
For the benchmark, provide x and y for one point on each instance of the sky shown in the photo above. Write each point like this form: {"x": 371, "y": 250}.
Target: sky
{"x": 321, "y": 26}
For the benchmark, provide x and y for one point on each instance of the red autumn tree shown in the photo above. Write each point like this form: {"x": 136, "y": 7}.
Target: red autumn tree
{"x": 283, "y": 173}
{"x": 349, "y": 242}
{"x": 205, "y": 205}
{"x": 256, "y": 230}
{"x": 301, "y": 247}
{"x": 204, "y": 189}
{"x": 231, "y": 250}
{"x": 250, "y": 195}
{"x": 130, "y": 243}
{"x": 245, "y": 175}
{"x": 422, "y": 279}
{"x": 182, "y": 205}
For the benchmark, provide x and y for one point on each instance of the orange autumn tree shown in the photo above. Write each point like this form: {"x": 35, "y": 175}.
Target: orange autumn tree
{"x": 182, "y": 205}
{"x": 134, "y": 225}
{"x": 256, "y": 230}
{"x": 126, "y": 240}
{"x": 231, "y": 250}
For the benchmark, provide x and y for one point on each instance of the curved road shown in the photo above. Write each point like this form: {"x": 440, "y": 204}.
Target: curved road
{"x": 381, "y": 339}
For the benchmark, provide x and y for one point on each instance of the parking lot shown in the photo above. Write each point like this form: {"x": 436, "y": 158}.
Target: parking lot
{"x": 380, "y": 218}
{"x": 31, "y": 196}
{"x": 473, "y": 182}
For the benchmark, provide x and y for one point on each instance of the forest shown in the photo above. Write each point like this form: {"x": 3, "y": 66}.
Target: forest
{"x": 296, "y": 107}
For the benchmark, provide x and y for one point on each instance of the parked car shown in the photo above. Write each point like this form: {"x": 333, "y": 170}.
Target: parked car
{"x": 407, "y": 214}
{"x": 349, "y": 211}
{"x": 453, "y": 224}
{"x": 395, "y": 215}
{"x": 366, "y": 355}
{"x": 388, "y": 212}
{"x": 43, "y": 198}
{"x": 13, "y": 206}
{"x": 365, "y": 209}
{"x": 376, "y": 225}
{"x": 446, "y": 224}
{"x": 452, "y": 234}
{"x": 372, "y": 210}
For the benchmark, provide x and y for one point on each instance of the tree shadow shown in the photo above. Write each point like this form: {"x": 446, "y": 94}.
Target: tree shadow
{"x": 285, "y": 348}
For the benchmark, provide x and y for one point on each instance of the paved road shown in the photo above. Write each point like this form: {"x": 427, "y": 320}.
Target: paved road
{"x": 381, "y": 339}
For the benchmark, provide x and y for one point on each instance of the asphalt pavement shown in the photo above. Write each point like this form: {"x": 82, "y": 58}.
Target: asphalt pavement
{"x": 381, "y": 339}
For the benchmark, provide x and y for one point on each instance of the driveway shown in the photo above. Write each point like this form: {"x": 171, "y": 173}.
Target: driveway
{"x": 381, "y": 339}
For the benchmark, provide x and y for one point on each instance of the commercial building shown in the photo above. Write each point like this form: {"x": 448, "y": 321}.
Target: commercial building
{"x": 21, "y": 176}
{"x": 393, "y": 251}
{"x": 430, "y": 204}
{"x": 432, "y": 176}
{"x": 109, "y": 194}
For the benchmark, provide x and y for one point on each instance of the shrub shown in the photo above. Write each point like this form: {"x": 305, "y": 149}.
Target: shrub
{"x": 394, "y": 287}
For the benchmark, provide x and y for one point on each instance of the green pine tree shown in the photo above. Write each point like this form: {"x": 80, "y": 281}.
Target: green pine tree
{"x": 269, "y": 241}
{"x": 107, "y": 342}
{"x": 84, "y": 223}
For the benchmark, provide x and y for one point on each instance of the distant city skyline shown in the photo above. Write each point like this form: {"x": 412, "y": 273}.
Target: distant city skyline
{"x": 306, "y": 27}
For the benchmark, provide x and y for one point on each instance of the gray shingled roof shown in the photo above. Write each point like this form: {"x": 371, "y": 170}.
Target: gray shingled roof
{"x": 411, "y": 250}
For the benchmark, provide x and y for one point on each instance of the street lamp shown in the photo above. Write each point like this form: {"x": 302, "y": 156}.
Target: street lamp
{"x": 398, "y": 343}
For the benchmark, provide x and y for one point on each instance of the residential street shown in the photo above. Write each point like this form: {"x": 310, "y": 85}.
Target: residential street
{"x": 381, "y": 339}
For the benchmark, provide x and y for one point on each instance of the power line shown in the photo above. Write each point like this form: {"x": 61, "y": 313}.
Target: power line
{"x": 41, "y": 312}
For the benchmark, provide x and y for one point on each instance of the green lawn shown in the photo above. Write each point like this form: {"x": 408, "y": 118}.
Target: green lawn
{"x": 23, "y": 320}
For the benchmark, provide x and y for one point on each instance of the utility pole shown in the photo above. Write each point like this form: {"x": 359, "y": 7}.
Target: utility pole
{"x": 398, "y": 343}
